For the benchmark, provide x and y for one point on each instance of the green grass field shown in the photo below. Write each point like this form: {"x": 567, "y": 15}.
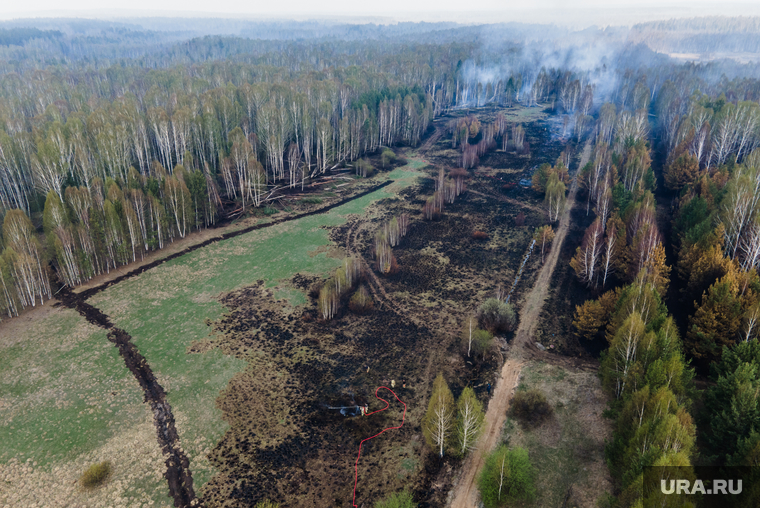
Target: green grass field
{"x": 166, "y": 308}
{"x": 67, "y": 400}
{"x": 567, "y": 450}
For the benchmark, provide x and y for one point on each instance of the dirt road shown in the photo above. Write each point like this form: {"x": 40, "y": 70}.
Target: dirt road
{"x": 466, "y": 491}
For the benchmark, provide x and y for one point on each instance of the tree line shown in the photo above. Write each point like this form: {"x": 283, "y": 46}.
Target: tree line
{"x": 93, "y": 231}
{"x": 706, "y": 144}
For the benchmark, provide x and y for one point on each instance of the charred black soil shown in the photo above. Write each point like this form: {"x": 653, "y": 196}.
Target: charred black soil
{"x": 285, "y": 442}
{"x": 555, "y": 327}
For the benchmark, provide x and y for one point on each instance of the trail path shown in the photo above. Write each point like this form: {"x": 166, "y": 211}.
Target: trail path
{"x": 466, "y": 491}
{"x": 431, "y": 141}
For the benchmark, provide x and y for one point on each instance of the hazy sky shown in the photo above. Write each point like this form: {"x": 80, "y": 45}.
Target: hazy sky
{"x": 574, "y": 12}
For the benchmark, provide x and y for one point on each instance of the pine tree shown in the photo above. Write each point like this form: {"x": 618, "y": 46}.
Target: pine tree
{"x": 593, "y": 315}
{"x": 717, "y": 320}
{"x": 682, "y": 171}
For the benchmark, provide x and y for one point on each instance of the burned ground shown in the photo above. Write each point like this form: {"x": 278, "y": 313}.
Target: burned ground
{"x": 284, "y": 441}
{"x": 567, "y": 291}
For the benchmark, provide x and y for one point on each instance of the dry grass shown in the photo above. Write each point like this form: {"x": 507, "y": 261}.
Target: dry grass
{"x": 567, "y": 449}
{"x": 136, "y": 478}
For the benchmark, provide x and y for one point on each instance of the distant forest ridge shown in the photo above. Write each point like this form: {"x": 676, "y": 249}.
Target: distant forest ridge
{"x": 18, "y": 36}
{"x": 708, "y": 24}
{"x": 715, "y": 34}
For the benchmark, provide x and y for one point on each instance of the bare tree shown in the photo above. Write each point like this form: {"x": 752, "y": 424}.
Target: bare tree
{"x": 587, "y": 256}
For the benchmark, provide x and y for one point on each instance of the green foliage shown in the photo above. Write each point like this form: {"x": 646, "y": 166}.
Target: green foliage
{"x": 530, "y": 407}
{"x": 645, "y": 370}
{"x": 540, "y": 177}
{"x": 507, "y": 477}
{"x": 470, "y": 416}
{"x": 267, "y": 504}
{"x": 475, "y": 340}
{"x": 481, "y": 341}
{"x": 497, "y": 316}
{"x": 621, "y": 197}
{"x": 95, "y": 475}
{"x": 691, "y": 215}
{"x": 388, "y": 157}
{"x": 438, "y": 423}
{"x": 361, "y": 301}
{"x": 364, "y": 168}
{"x": 718, "y": 318}
{"x": 732, "y": 405}
{"x": 397, "y": 500}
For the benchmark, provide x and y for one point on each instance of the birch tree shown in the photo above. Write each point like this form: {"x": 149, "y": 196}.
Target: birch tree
{"x": 588, "y": 254}
{"x": 543, "y": 235}
{"x": 24, "y": 257}
{"x": 178, "y": 202}
{"x": 439, "y": 419}
{"x": 470, "y": 418}
{"x": 622, "y": 353}
{"x": 60, "y": 238}
{"x": 555, "y": 196}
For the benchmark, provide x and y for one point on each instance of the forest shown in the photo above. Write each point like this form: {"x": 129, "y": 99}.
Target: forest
{"x": 324, "y": 208}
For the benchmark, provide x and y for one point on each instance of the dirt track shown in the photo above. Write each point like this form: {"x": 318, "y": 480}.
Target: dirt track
{"x": 466, "y": 491}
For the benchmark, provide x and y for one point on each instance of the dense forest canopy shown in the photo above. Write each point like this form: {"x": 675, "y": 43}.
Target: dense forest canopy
{"x": 132, "y": 133}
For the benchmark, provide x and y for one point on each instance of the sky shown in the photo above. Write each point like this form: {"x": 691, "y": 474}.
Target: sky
{"x": 575, "y": 13}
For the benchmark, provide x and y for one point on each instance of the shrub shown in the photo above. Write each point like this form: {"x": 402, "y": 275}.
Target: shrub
{"x": 481, "y": 340}
{"x": 95, "y": 475}
{"x": 497, "y": 316}
{"x": 388, "y": 157}
{"x": 398, "y": 500}
{"x": 479, "y": 235}
{"x": 267, "y": 504}
{"x": 361, "y": 301}
{"x": 530, "y": 406}
{"x": 507, "y": 477}
{"x": 364, "y": 168}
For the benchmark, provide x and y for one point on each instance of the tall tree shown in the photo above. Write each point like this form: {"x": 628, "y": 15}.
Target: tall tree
{"x": 470, "y": 417}
{"x": 439, "y": 419}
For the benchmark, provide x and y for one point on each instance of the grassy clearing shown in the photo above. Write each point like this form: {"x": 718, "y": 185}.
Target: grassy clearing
{"x": 165, "y": 309}
{"x": 67, "y": 401}
{"x": 567, "y": 449}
